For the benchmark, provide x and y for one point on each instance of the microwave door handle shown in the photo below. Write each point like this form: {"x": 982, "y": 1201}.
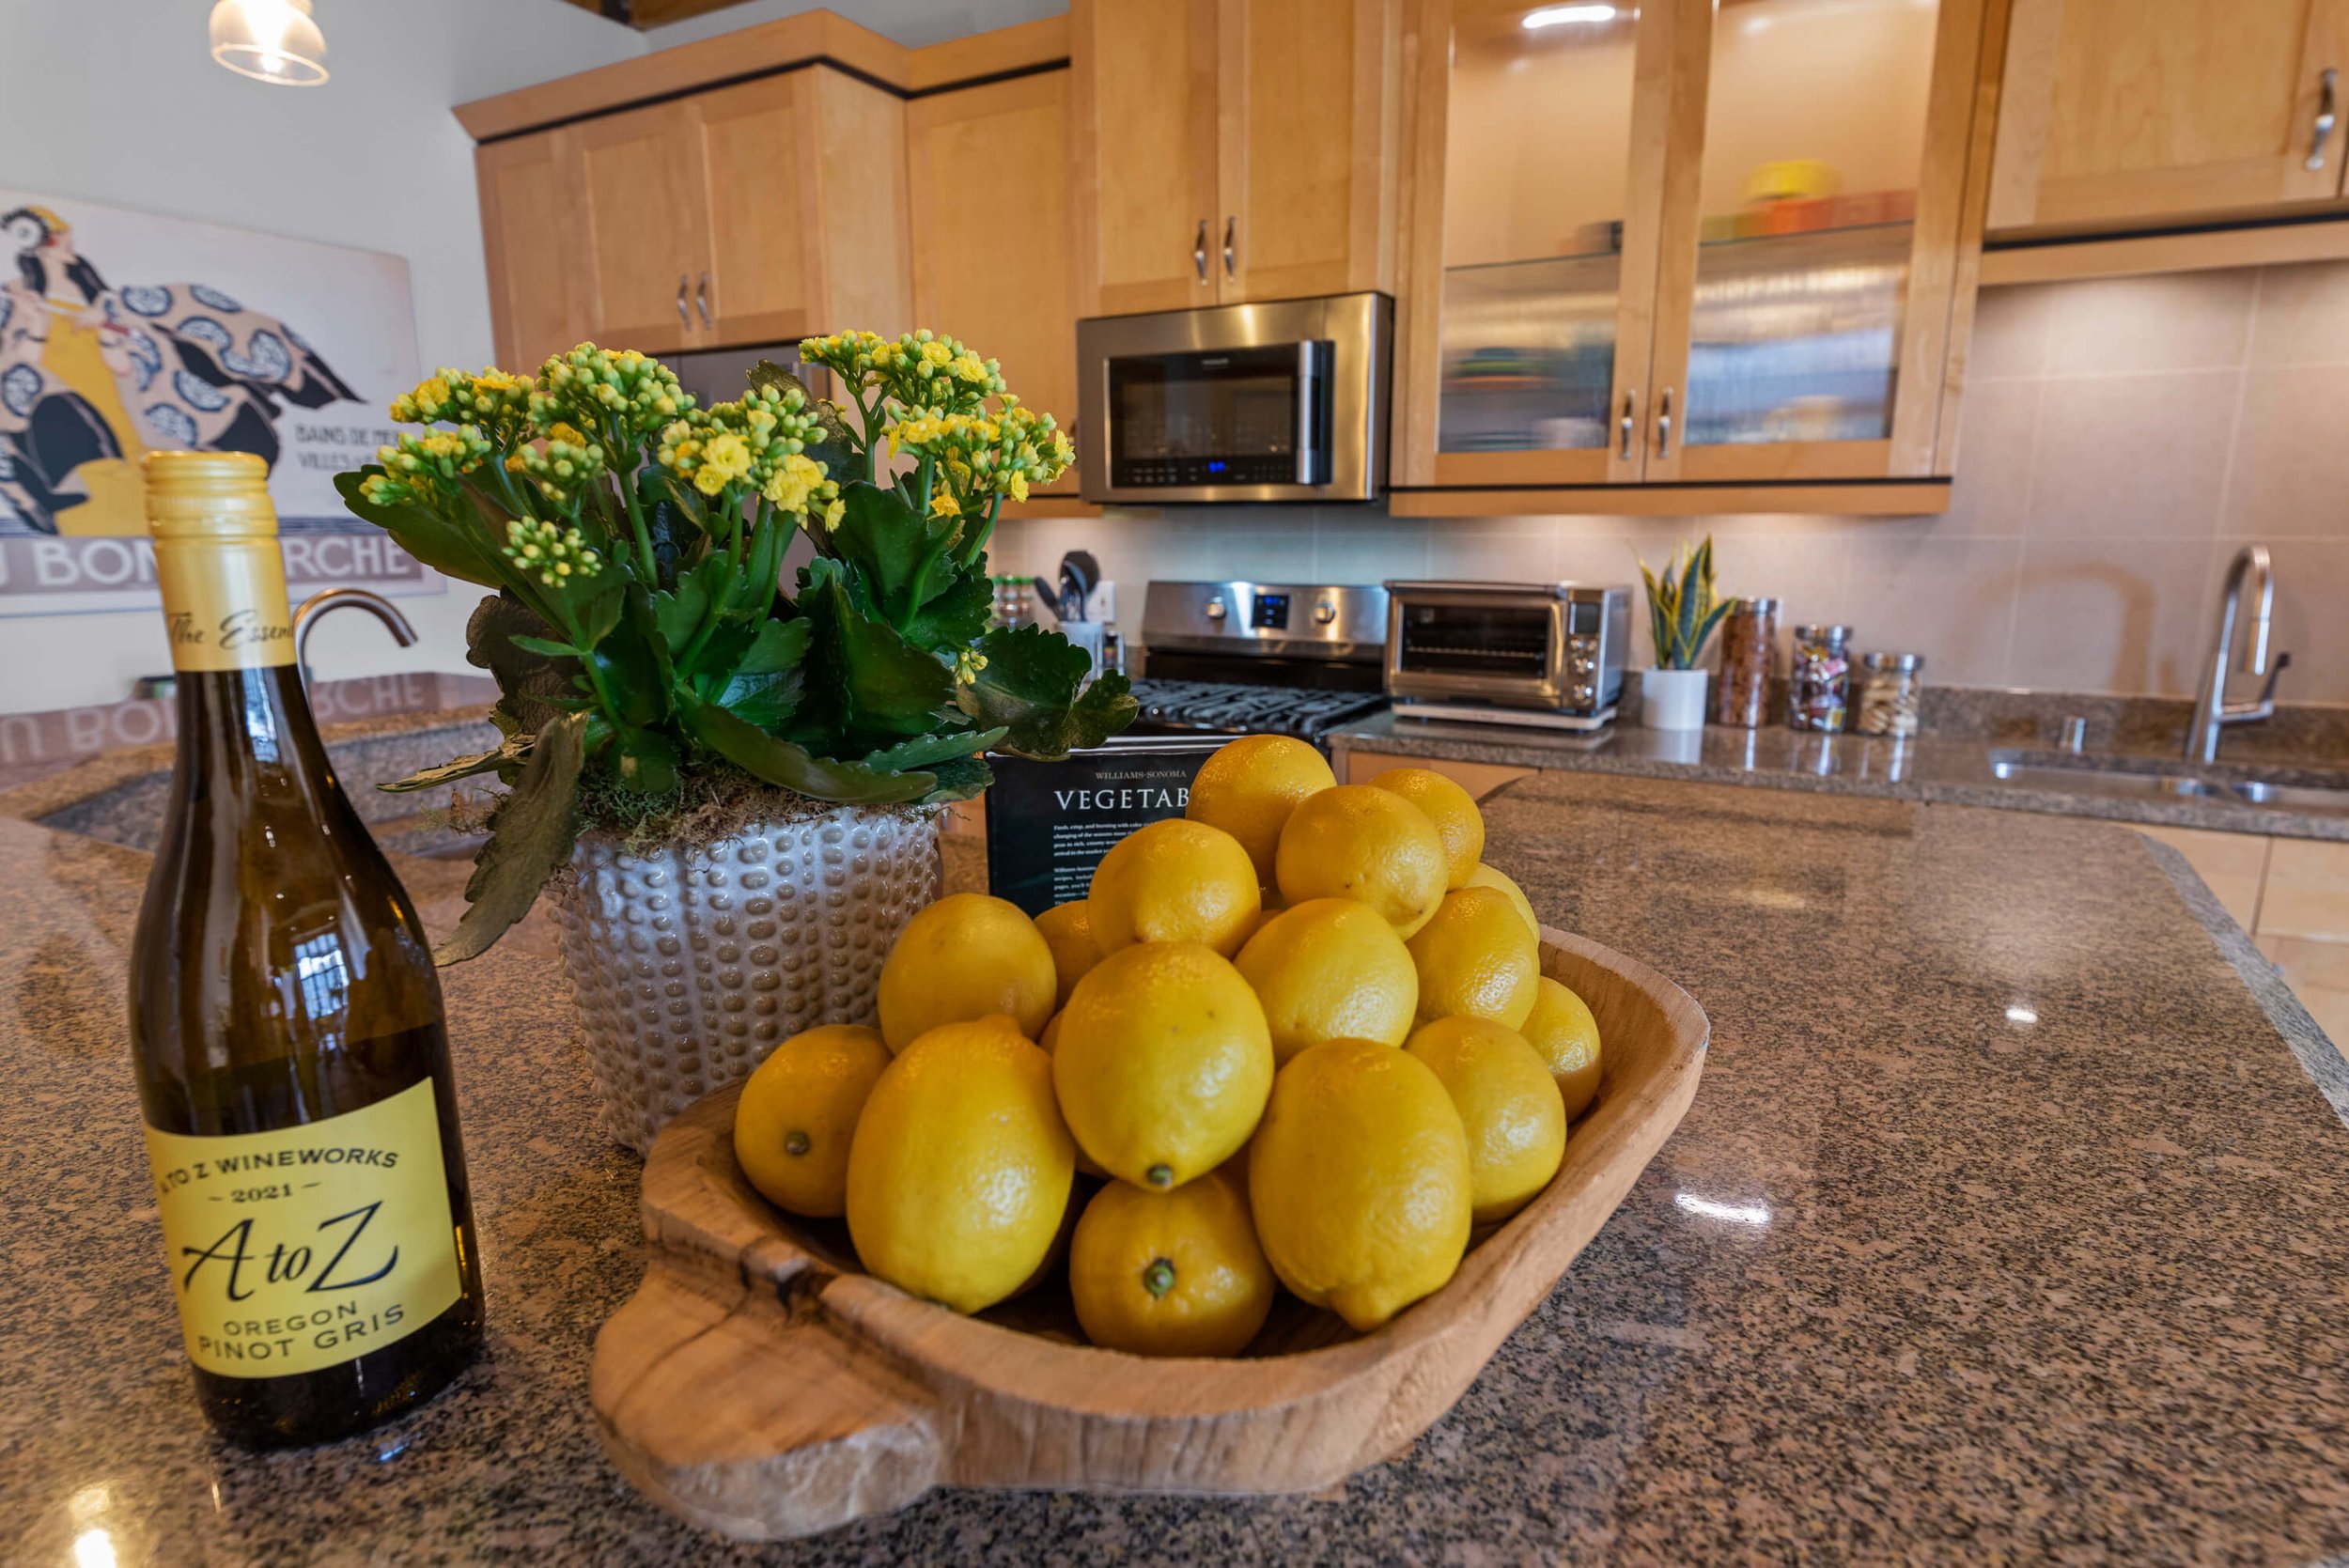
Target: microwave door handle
{"x": 1308, "y": 410}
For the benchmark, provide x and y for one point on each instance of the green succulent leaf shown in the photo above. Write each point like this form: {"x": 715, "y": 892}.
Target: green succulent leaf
{"x": 551, "y": 647}
{"x": 793, "y": 767}
{"x": 1030, "y": 688}
{"x": 932, "y": 749}
{"x": 678, "y": 613}
{"x": 645, "y": 762}
{"x": 459, "y": 547}
{"x": 631, "y": 675}
{"x": 895, "y": 546}
{"x": 956, "y": 618}
{"x": 960, "y": 779}
{"x": 876, "y": 687}
{"x": 530, "y": 840}
{"x": 533, "y": 687}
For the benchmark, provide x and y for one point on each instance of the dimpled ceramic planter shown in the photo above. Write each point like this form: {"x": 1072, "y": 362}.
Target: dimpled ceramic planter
{"x": 690, "y": 964}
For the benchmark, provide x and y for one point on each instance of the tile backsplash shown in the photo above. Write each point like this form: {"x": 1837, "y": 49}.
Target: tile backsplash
{"x": 2120, "y": 440}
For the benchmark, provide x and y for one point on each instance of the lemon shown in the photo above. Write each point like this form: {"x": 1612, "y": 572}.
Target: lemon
{"x": 961, "y": 1166}
{"x": 1067, "y": 930}
{"x": 1050, "y": 1033}
{"x": 1562, "y": 1031}
{"x": 797, "y": 1112}
{"x": 1485, "y": 876}
{"x": 1163, "y": 1063}
{"x": 1515, "y": 1119}
{"x": 1372, "y": 845}
{"x": 1330, "y": 970}
{"x": 1169, "y": 1273}
{"x": 1359, "y": 1180}
{"x": 1475, "y": 959}
{"x": 1249, "y": 788}
{"x": 1174, "y": 881}
{"x": 1451, "y": 808}
{"x": 965, "y": 956}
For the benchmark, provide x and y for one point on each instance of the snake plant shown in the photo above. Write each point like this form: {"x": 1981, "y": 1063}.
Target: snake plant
{"x": 1682, "y": 606}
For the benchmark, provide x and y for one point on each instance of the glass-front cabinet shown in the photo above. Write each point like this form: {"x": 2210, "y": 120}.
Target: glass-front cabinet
{"x": 1690, "y": 242}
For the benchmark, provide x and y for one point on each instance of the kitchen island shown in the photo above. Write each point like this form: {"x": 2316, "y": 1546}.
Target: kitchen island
{"x": 2011, "y": 1220}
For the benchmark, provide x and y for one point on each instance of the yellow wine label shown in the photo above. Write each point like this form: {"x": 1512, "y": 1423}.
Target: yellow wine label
{"x": 225, "y": 603}
{"x": 307, "y": 1246}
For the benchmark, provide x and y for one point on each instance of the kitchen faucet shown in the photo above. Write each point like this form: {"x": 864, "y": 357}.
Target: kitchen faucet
{"x": 317, "y": 605}
{"x": 2213, "y": 710}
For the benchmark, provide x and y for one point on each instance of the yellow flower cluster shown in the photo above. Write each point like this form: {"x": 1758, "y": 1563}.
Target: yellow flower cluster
{"x": 593, "y": 388}
{"x": 759, "y": 443}
{"x": 493, "y": 401}
{"x": 419, "y": 464}
{"x": 1002, "y": 453}
{"x": 556, "y": 555}
{"x": 920, "y": 371}
{"x": 967, "y": 666}
{"x": 564, "y": 464}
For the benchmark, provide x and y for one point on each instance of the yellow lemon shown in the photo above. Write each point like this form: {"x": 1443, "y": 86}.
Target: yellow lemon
{"x": 1174, "y": 881}
{"x": 1067, "y": 930}
{"x": 1250, "y": 787}
{"x": 1372, "y": 845}
{"x": 1331, "y": 969}
{"x": 1050, "y": 1041}
{"x": 965, "y": 956}
{"x": 1511, "y": 1109}
{"x": 1169, "y": 1273}
{"x": 1485, "y": 876}
{"x": 1451, "y": 808}
{"x": 961, "y": 1166}
{"x": 797, "y": 1112}
{"x": 1050, "y": 1033}
{"x": 1163, "y": 1063}
{"x": 1359, "y": 1180}
{"x": 1476, "y": 960}
{"x": 1562, "y": 1031}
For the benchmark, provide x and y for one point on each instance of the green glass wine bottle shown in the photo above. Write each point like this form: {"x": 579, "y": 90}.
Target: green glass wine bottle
{"x": 285, "y": 1023}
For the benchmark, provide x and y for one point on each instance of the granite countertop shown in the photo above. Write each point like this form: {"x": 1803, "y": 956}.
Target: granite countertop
{"x": 2009, "y": 1221}
{"x": 1948, "y": 769}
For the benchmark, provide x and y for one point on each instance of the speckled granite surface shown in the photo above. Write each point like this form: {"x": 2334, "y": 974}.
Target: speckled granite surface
{"x": 1948, "y": 769}
{"x": 2007, "y": 1224}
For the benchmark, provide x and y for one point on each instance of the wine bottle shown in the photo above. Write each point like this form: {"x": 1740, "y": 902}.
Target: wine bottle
{"x": 285, "y": 1023}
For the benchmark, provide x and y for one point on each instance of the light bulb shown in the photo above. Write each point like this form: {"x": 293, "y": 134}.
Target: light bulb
{"x": 269, "y": 40}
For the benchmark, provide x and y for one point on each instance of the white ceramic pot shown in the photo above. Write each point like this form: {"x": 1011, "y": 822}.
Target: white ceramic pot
{"x": 690, "y": 964}
{"x": 1671, "y": 699}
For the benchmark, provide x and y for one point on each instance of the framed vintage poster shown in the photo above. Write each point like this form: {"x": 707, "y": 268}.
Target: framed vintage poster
{"x": 123, "y": 333}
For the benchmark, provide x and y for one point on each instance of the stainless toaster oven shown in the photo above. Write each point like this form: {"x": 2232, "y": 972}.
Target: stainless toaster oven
{"x": 1549, "y": 653}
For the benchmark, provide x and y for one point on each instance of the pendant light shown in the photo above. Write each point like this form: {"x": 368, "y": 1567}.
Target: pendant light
{"x": 269, "y": 40}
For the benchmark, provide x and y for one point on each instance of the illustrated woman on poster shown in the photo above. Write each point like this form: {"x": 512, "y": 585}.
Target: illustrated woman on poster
{"x": 92, "y": 376}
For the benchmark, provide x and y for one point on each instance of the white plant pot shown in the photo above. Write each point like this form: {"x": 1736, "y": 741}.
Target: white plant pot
{"x": 690, "y": 964}
{"x": 1671, "y": 699}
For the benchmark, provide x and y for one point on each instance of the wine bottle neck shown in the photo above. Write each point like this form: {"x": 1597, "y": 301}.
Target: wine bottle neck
{"x": 237, "y": 724}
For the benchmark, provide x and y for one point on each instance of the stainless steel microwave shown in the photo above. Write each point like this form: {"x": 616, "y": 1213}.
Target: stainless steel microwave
{"x": 1280, "y": 401}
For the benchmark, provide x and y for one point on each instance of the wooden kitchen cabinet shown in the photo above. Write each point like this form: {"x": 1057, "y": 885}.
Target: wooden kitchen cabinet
{"x": 1683, "y": 244}
{"x": 2120, "y": 113}
{"x": 1233, "y": 150}
{"x": 533, "y": 235}
{"x": 1006, "y": 289}
{"x": 647, "y": 224}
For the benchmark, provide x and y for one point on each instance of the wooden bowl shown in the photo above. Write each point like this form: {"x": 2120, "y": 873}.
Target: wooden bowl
{"x": 760, "y": 1385}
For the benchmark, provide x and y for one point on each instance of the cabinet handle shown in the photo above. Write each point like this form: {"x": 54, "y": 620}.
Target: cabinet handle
{"x": 1199, "y": 250}
{"x": 701, "y": 299}
{"x": 1630, "y": 419}
{"x": 684, "y": 316}
{"x": 1231, "y": 243}
{"x": 1664, "y": 423}
{"x": 2322, "y": 131}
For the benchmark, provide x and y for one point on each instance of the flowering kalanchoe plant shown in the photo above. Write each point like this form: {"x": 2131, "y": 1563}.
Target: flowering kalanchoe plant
{"x": 638, "y": 626}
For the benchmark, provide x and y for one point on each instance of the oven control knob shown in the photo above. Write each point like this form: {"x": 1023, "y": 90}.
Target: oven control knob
{"x": 1325, "y": 612}
{"x": 1582, "y": 692}
{"x": 1579, "y": 644}
{"x": 1581, "y": 663}
{"x": 1215, "y": 609}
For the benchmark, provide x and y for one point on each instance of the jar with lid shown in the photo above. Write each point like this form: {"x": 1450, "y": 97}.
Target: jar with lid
{"x": 1819, "y": 689}
{"x": 1892, "y": 692}
{"x": 1748, "y": 643}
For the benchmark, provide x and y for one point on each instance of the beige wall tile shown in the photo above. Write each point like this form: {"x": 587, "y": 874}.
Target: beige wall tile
{"x": 2108, "y": 615}
{"x": 2011, "y": 332}
{"x": 1998, "y": 440}
{"x": 1504, "y": 550}
{"x": 2141, "y": 457}
{"x": 1369, "y": 547}
{"x": 2291, "y": 473}
{"x": 2308, "y": 891}
{"x": 2303, "y": 315}
{"x": 2183, "y": 321}
{"x": 1952, "y": 599}
{"x": 2232, "y": 865}
{"x": 2311, "y": 615}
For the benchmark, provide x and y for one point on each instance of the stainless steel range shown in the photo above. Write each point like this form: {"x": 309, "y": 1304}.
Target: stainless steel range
{"x": 1244, "y": 657}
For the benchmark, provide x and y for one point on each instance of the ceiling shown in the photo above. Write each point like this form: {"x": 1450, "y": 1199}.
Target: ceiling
{"x": 652, "y": 13}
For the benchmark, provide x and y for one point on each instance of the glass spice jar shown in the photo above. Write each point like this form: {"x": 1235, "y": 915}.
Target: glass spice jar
{"x": 1819, "y": 686}
{"x": 1892, "y": 692}
{"x": 1749, "y": 640}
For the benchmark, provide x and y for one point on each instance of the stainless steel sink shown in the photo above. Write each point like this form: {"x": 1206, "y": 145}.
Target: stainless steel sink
{"x": 2087, "y": 779}
{"x": 2287, "y": 797}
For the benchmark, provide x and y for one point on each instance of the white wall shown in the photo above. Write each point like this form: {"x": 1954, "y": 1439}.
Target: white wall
{"x": 117, "y": 101}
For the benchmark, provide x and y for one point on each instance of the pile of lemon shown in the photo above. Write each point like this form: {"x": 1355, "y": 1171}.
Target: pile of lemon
{"x": 1299, "y": 1033}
